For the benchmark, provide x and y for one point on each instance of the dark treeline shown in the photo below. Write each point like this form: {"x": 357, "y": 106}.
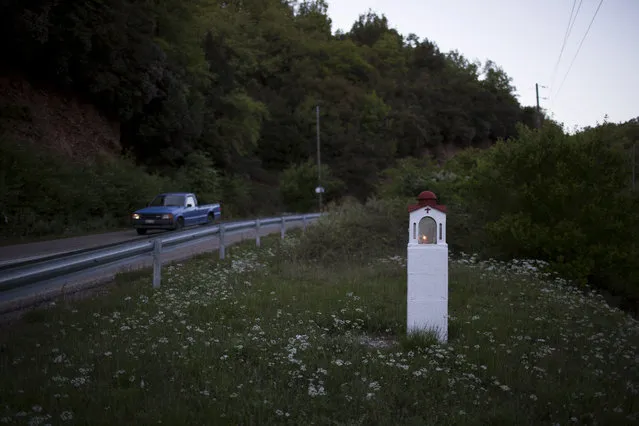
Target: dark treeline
{"x": 239, "y": 81}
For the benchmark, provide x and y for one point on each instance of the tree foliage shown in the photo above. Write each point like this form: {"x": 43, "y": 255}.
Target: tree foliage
{"x": 566, "y": 199}
{"x": 239, "y": 81}
{"x": 298, "y": 183}
{"x": 220, "y": 96}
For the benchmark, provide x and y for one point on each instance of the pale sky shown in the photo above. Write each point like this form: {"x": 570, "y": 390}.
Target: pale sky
{"x": 524, "y": 37}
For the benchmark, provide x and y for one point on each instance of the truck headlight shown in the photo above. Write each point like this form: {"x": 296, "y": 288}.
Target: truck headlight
{"x": 136, "y": 216}
{"x": 167, "y": 216}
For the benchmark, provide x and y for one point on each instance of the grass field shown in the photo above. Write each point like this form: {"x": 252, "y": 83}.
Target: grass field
{"x": 262, "y": 339}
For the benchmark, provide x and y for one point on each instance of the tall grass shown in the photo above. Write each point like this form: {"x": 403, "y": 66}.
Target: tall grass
{"x": 261, "y": 339}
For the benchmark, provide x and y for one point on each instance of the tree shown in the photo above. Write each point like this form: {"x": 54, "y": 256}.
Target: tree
{"x": 298, "y": 183}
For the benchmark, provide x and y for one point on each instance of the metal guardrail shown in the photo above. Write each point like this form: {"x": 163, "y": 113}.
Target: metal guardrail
{"x": 36, "y": 271}
{"x": 11, "y": 264}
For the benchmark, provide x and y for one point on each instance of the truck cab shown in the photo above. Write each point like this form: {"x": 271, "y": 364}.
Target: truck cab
{"x": 174, "y": 211}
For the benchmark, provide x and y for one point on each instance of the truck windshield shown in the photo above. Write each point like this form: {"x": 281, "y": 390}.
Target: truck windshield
{"x": 168, "y": 200}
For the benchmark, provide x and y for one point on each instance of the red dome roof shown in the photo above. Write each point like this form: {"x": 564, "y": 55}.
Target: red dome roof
{"x": 424, "y": 199}
{"x": 427, "y": 196}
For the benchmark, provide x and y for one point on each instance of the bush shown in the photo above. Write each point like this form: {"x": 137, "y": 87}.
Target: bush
{"x": 545, "y": 195}
{"x": 199, "y": 176}
{"x": 410, "y": 176}
{"x": 298, "y": 183}
{"x": 352, "y": 230}
{"x": 43, "y": 193}
{"x": 560, "y": 198}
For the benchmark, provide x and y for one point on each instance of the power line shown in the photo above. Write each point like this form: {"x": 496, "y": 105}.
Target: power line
{"x": 575, "y": 17}
{"x": 563, "y": 46}
{"x": 578, "y": 49}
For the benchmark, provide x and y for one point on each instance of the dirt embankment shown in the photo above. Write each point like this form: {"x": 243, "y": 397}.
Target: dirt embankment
{"x": 45, "y": 116}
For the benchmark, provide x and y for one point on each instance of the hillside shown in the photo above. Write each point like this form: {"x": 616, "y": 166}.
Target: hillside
{"x": 47, "y": 118}
{"x": 239, "y": 82}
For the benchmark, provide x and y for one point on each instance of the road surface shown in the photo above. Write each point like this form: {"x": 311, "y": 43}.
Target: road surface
{"x": 34, "y": 250}
{"x": 14, "y": 301}
{"x": 27, "y": 251}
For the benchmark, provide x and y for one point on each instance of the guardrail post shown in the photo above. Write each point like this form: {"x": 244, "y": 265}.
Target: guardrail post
{"x": 304, "y": 221}
{"x": 157, "y": 262}
{"x": 283, "y": 229}
{"x": 222, "y": 241}
{"x": 258, "y": 242}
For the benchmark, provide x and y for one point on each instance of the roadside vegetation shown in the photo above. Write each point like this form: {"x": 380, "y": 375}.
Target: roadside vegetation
{"x": 43, "y": 194}
{"x": 565, "y": 199}
{"x": 311, "y": 329}
{"x": 220, "y": 99}
{"x": 284, "y": 334}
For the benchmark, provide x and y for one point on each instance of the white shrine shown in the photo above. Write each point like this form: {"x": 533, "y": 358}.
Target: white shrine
{"x": 427, "y": 264}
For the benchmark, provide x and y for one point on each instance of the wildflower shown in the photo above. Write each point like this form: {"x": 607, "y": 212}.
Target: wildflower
{"x": 78, "y": 381}
{"x": 66, "y": 416}
{"x": 314, "y": 391}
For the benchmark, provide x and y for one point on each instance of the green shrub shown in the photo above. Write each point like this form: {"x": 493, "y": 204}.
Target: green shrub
{"x": 199, "y": 176}
{"x": 410, "y": 176}
{"x": 298, "y": 183}
{"x": 44, "y": 193}
{"x": 545, "y": 195}
{"x": 352, "y": 230}
{"x": 237, "y": 197}
{"x": 560, "y": 198}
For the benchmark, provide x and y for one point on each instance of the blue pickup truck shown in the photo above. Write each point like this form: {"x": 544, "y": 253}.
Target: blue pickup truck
{"x": 174, "y": 210}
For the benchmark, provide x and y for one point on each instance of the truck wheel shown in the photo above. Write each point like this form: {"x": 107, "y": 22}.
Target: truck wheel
{"x": 210, "y": 218}
{"x": 141, "y": 231}
{"x": 179, "y": 224}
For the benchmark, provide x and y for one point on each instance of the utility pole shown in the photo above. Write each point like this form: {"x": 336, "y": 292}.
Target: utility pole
{"x": 634, "y": 162}
{"x": 538, "y": 112}
{"x": 319, "y": 162}
{"x": 538, "y": 109}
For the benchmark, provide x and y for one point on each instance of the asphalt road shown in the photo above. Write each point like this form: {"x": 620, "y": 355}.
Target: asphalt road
{"x": 28, "y": 251}
{"x": 15, "y": 300}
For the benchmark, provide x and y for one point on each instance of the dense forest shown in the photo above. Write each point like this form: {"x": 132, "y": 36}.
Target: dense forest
{"x": 219, "y": 97}
{"x": 239, "y": 81}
